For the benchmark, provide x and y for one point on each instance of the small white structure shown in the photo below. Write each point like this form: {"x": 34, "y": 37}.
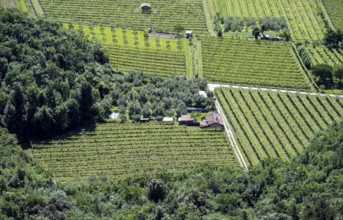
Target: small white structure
{"x": 168, "y": 119}
{"x": 114, "y": 115}
{"x": 189, "y": 34}
{"x": 203, "y": 94}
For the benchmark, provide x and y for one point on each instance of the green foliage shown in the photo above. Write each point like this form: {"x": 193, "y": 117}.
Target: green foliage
{"x": 333, "y": 39}
{"x": 43, "y": 67}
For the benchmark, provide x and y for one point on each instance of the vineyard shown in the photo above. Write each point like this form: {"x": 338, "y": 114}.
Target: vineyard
{"x": 302, "y": 17}
{"x": 269, "y": 124}
{"x": 247, "y": 62}
{"x": 129, "y": 49}
{"x": 118, "y": 149}
{"x": 334, "y": 9}
{"x": 165, "y": 14}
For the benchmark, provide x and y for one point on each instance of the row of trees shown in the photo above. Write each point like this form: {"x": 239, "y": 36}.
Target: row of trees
{"x": 308, "y": 187}
{"x": 232, "y": 24}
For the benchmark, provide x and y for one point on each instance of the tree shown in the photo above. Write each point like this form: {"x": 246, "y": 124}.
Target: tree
{"x": 178, "y": 28}
{"x": 86, "y": 104}
{"x": 338, "y": 74}
{"x": 333, "y": 39}
{"x": 323, "y": 74}
{"x": 256, "y": 33}
{"x": 157, "y": 190}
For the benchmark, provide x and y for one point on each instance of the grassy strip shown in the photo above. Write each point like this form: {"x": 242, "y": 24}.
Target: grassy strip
{"x": 37, "y": 8}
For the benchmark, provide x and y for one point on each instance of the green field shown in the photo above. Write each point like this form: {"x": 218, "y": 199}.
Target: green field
{"x": 269, "y": 124}
{"x": 335, "y": 11}
{"x": 130, "y": 49}
{"x": 165, "y": 15}
{"x": 123, "y": 149}
{"x": 247, "y": 62}
{"x": 302, "y": 17}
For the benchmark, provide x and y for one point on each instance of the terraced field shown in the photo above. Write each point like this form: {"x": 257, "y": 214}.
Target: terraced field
{"x": 117, "y": 149}
{"x": 129, "y": 49}
{"x": 302, "y": 17}
{"x": 165, "y": 14}
{"x": 247, "y": 62}
{"x": 270, "y": 124}
{"x": 335, "y": 11}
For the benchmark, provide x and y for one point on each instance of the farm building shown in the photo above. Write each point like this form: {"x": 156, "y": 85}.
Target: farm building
{"x": 212, "y": 120}
{"x": 142, "y": 119}
{"x": 189, "y": 34}
{"x": 203, "y": 94}
{"x": 114, "y": 115}
{"x": 168, "y": 119}
{"x": 188, "y": 120}
{"x": 146, "y": 7}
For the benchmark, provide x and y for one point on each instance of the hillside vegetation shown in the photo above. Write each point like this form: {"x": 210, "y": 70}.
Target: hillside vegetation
{"x": 307, "y": 187}
{"x": 47, "y": 76}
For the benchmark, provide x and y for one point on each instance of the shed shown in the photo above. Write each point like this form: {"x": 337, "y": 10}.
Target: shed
{"x": 203, "y": 94}
{"x": 168, "y": 119}
{"x": 146, "y": 7}
{"x": 189, "y": 34}
{"x": 188, "y": 120}
{"x": 114, "y": 115}
{"x": 142, "y": 119}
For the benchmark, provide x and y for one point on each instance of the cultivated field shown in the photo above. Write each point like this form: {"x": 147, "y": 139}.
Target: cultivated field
{"x": 247, "y": 62}
{"x": 270, "y": 124}
{"x": 335, "y": 11}
{"x": 165, "y": 14}
{"x": 302, "y": 18}
{"x": 130, "y": 49}
{"x": 123, "y": 149}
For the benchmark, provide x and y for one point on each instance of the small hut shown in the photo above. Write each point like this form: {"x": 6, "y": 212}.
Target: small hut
{"x": 189, "y": 34}
{"x": 146, "y": 7}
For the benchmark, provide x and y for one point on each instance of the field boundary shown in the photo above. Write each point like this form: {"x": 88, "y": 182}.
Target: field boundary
{"x": 231, "y": 137}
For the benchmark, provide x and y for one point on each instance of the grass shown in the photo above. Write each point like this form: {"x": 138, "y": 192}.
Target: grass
{"x": 269, "y": 124}
{"x": 128, "y": 149}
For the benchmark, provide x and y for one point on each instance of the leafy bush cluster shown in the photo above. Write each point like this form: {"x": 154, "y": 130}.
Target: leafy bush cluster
{"x": 308, "y": 187}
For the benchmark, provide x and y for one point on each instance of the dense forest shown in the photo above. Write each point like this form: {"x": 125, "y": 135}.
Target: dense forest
{"x": 54, "y": 81}
{"x": 308, "y": 187}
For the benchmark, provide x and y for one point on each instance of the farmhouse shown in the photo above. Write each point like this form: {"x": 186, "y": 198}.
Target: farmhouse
{"x": 213, "y": 120}
{"x": 146, "y": 7}
{"x": 188, "y": 120}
